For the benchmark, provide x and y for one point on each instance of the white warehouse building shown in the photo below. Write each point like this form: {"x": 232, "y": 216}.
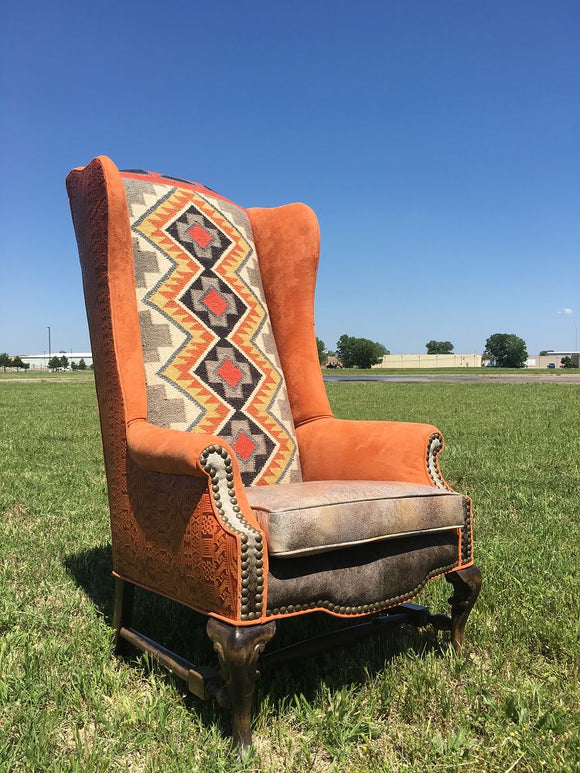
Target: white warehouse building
{"x": 40, "y": 361}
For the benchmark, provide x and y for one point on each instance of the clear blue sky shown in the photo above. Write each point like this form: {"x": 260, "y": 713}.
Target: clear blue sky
{"x": 438, "y": 142}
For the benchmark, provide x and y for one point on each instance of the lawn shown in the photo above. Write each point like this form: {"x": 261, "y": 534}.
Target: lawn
{"x": 403, "y": 703}
{"x": 46, "y": 375}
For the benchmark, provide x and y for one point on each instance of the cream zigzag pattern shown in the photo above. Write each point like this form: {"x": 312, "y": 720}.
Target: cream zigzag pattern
{"x": 244, "y": 337}
{"x": 163, "y": 297}
{"x": 262, "y": 407}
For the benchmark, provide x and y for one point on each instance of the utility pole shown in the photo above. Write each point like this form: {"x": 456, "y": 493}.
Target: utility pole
{"x": 48, "y": 326}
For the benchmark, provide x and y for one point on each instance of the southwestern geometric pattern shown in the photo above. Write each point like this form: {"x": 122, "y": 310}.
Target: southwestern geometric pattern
{"x": 211, "y": 363}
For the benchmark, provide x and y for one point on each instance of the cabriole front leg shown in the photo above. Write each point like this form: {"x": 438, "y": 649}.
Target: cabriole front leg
{"x": 122, "y": 613}
{"x": 466, "y": 586}
{"x": 238, "y": 650}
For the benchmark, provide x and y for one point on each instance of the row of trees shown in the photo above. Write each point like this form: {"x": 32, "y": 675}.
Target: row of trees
{"x": 6, "y": 361}
{"x": 55, "y": 363}
{"x": 503, "y": 350}
{"x": 62, "y": 363}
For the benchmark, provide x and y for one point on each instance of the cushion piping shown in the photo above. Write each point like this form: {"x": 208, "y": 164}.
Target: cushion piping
{"x": 338, "y": 545}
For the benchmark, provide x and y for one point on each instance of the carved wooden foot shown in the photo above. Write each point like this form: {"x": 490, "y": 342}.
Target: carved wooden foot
{"x": 124, "y": 595}
{"x": 466, "y": 586}
{"x": 238, "y": 649}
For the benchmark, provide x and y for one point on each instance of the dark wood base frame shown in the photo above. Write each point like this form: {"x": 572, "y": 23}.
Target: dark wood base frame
{"x": 240, "y": 648}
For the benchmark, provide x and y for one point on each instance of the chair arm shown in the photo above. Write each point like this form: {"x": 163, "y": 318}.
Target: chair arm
{"x": 164, "y": 459}
{"x": 337, "y": 449}
{"x": 171, "y": 451}
{"x": 174, "y": 452}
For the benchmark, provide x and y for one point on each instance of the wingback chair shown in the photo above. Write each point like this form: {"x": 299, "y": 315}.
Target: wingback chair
{"x": 232, "y": 488}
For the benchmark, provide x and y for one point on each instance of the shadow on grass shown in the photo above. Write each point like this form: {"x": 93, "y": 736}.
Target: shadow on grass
{"x": 183, "y": 630}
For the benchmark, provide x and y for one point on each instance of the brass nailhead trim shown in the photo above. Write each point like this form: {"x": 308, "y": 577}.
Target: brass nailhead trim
{"x": 243, "y": 532}
{"x": 466, "y": 546}
{"x": 435, "y": 477}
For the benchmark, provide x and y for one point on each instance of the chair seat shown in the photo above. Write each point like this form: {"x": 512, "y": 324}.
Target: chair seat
{"x": 301, "y": 519}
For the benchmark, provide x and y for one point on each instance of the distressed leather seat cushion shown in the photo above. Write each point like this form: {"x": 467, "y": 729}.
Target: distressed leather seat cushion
{"x": 301, "y": 519}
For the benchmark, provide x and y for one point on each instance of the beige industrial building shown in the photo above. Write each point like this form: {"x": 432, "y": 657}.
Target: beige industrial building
{"x": 426, "y": 361}
{"x": 430, "y": 361}
{"x": 553, "y": 360}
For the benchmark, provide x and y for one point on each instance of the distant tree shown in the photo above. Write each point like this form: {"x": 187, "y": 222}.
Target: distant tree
{"x": 54, "y": 363}
{"x": 545, "y": 352}
{"x": 321, "y": 350}
{"x": 439, "y": 347}
{"x": 73, "y": 365}
{"x": 359, "y": 352}
{"x": 506, "y": 350}
{"x": 19, "y": 364}
{"x": 82, "y": 364}
{"x": 566, "y": 362}
{"x": 64, "y": 362}
{"x": 5, "y": 361}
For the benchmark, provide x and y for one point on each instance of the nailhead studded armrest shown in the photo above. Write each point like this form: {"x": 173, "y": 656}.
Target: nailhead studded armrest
{"x": 336, "y": 449}
{"x": 173, "y": 455}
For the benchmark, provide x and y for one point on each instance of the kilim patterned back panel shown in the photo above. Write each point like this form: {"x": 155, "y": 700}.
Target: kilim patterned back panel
{"x": 211, "y": 363}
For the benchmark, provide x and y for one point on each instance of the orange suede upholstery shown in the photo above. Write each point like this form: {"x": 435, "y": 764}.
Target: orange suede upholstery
{"x": 181, "y": 522}
{"x": 288, "y": 243}
{"x": 370, "y": 450}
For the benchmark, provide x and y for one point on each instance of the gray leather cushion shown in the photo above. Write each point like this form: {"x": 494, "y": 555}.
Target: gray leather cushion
{"x": 301, "y": 519}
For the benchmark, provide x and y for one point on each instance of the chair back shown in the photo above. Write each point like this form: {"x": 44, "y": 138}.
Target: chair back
{"x": 211, "y": 362}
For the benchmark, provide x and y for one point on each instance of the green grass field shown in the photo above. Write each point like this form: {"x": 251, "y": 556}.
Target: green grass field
{"x": 404, "y": 703}
{"x": 46, "y": 375}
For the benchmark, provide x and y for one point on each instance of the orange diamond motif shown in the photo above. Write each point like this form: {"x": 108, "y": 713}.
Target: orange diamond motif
{"x": 199, "y": 235}
{"x": 230, "y": 373}
{"x": 244, "y": 446}
{"x": 215, "y": 302}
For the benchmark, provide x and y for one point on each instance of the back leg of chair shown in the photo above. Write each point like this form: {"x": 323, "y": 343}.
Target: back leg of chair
{"x": 123, "y": 611}
{"x": 238, "y": 650}
{"x": 466, "y": 586}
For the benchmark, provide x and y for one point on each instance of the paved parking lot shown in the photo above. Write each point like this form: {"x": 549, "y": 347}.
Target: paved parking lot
{"x": 471, "y": 378}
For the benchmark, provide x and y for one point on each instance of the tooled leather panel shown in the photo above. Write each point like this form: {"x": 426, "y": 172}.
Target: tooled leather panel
{"x": 360, "y": 579}
{"x": 89, "y": 205}
{"x": 174, "y": 543}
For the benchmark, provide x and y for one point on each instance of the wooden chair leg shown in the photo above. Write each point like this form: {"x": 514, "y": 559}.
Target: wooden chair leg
{"x": 123, "y": 611}
{"x": 238, "y": 649}
{"x": 466, "y": 586}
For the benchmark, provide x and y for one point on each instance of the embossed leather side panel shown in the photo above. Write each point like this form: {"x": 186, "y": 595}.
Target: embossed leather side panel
{"x": 165, "y": 534}
{"x": 175, "y": 544}
{"x": 90, "y": 209}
